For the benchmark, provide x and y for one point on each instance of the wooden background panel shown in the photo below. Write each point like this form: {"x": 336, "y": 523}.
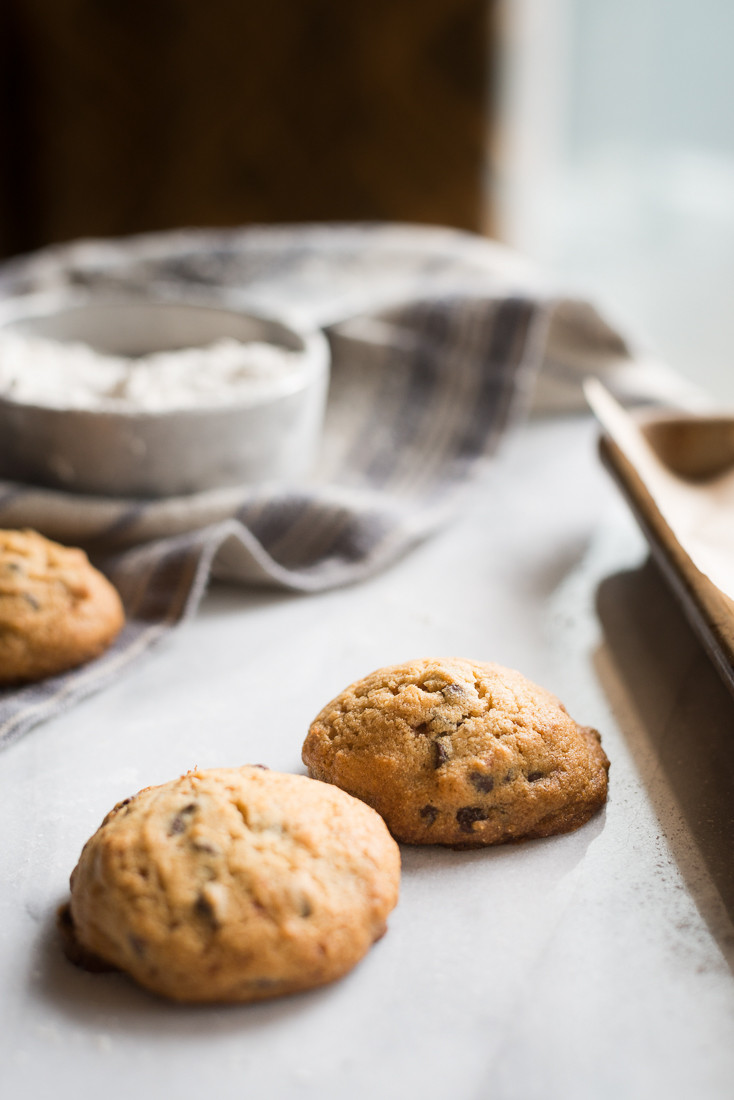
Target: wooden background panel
{"x": 127, "y": 115}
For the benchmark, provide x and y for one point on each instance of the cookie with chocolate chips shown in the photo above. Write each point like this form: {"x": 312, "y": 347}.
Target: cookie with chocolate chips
{"x": 458, "y": 752}
{"x": 232, "y": 885}
{"x": 56, "y": 610}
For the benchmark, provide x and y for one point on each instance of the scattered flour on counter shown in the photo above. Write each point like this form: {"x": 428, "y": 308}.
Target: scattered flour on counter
{"x": 75, "y": 376}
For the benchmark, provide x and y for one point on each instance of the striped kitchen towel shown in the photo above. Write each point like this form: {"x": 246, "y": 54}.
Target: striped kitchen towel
{"x": 437, "y": 338}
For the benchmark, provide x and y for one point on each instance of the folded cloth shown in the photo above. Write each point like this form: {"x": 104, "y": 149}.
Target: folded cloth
{"x": 436, "y": 337}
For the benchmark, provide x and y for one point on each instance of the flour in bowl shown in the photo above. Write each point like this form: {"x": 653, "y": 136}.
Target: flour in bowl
{"x": 57, "y": 375}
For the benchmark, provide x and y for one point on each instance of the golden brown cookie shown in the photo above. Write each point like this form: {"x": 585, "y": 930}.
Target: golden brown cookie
{"x": 459, "y": 752}
{"x": 56, "y": 610}
{"x": 233, "y": 884}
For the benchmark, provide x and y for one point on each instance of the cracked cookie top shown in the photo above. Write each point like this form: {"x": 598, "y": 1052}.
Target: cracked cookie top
{"x": 56, "y": 610}
{"x": 459, "y": 752}
{"x": 233, "y": 885}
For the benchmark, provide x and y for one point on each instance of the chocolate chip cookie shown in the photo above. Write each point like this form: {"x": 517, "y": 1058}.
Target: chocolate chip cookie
{"x": 233, "y": 885}
{"x": 458, "y": 752}
{"x": 56, "y": 610}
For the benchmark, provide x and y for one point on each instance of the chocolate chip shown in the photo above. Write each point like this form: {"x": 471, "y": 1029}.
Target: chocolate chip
{"x": 306, "y": 907}
{"x": 13, "y": 567}
{"x": 137, "y": 944}
{"x": 467, "y": 815}
{"x": 73, "y": 949}
{"x": 64, "y": 918}
{"x": 429, "y": 814}
{"x": 32, "y": 601}
{"x": 179, "y": 822}
{"x": 481, "y": 781}
{"x": 533, "y": 777}
{"x": 422, "y": 730}
{"x": 203, "y": 908}
{"x": 202, "y": 845}
{"x": 440, "y": 754}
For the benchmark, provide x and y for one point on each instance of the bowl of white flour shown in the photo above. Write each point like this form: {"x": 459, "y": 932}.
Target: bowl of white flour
{"x": 146, "y": 398}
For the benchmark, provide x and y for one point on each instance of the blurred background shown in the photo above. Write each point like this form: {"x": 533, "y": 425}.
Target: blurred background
{"x": 614, "y": 165}
{"x": 596, "y": 136}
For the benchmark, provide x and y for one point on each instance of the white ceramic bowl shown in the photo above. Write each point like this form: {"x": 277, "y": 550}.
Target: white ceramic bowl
{"x": 264, "y": 436}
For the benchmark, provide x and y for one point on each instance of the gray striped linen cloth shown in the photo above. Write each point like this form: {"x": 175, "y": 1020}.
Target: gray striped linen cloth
{"x": 436, "y": 337}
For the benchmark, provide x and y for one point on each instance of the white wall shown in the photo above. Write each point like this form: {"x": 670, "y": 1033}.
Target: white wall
{"x": 615, "y": 164}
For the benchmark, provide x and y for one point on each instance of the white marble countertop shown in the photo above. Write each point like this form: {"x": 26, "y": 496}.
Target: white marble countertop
{"x": 593, "y": 965}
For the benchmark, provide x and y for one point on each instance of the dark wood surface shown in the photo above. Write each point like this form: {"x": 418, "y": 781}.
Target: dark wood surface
{"x": 118, "y": 116}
